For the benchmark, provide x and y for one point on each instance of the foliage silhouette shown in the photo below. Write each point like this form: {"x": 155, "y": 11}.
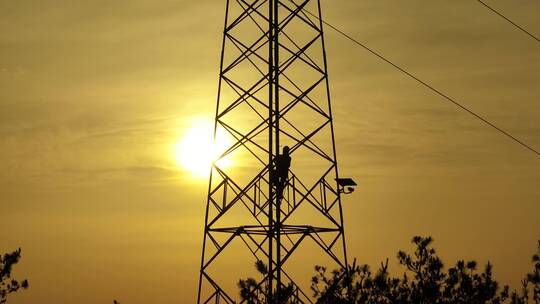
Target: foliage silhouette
{"x": 424, "y": 281}
{"x": 7, "y": 283}
{"x": 533, "y": 278}
{"x": 252, "y": 292}
{"x": 530, "y": 285}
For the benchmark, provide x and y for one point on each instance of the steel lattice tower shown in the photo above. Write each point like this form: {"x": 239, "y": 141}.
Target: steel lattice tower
{"x": 273, "y": 92}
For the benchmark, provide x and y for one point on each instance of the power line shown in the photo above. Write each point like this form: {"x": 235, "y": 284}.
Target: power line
{"x": 430, "y": 87}
{"x": 510, "y": 21}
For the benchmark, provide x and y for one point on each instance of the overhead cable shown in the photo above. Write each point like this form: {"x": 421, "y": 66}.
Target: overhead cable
{"x": 430, "y": 87}
{"x": 510, "y": 21}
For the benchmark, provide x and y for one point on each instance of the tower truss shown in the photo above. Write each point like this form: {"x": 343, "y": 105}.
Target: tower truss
{"x": 273, "y": 92}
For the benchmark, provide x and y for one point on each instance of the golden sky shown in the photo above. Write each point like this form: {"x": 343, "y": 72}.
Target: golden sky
{"x": 94, "y": 96}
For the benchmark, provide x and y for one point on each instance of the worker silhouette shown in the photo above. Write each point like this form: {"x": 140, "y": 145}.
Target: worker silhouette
{"x": 281, "y": 171}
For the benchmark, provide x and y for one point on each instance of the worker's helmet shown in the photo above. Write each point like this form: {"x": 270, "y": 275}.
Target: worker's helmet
{"x": 286, "y": 150}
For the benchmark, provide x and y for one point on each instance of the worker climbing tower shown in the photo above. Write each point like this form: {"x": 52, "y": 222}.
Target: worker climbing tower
{"x": 273, "y": 96}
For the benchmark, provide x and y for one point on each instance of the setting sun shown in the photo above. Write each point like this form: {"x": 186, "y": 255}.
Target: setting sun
{"x": 196, "y": 150}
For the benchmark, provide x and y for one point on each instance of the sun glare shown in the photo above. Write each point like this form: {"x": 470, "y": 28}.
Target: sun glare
{"x": 196, "y": 150}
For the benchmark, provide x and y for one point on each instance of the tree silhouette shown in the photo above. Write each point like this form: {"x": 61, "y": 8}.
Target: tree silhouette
{"x": 533, "y": 278}
{"x": 252, "y": 292}
{"x": 7, "y": 283}
{"x": 530, "y": 284}
{"x": 424, "y": 281}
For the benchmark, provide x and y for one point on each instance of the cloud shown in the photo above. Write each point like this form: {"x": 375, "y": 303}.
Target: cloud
{"x": 144, "y": 172}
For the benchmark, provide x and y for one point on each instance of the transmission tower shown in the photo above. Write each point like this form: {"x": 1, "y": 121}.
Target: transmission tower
{"x": 273, "y": 92}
